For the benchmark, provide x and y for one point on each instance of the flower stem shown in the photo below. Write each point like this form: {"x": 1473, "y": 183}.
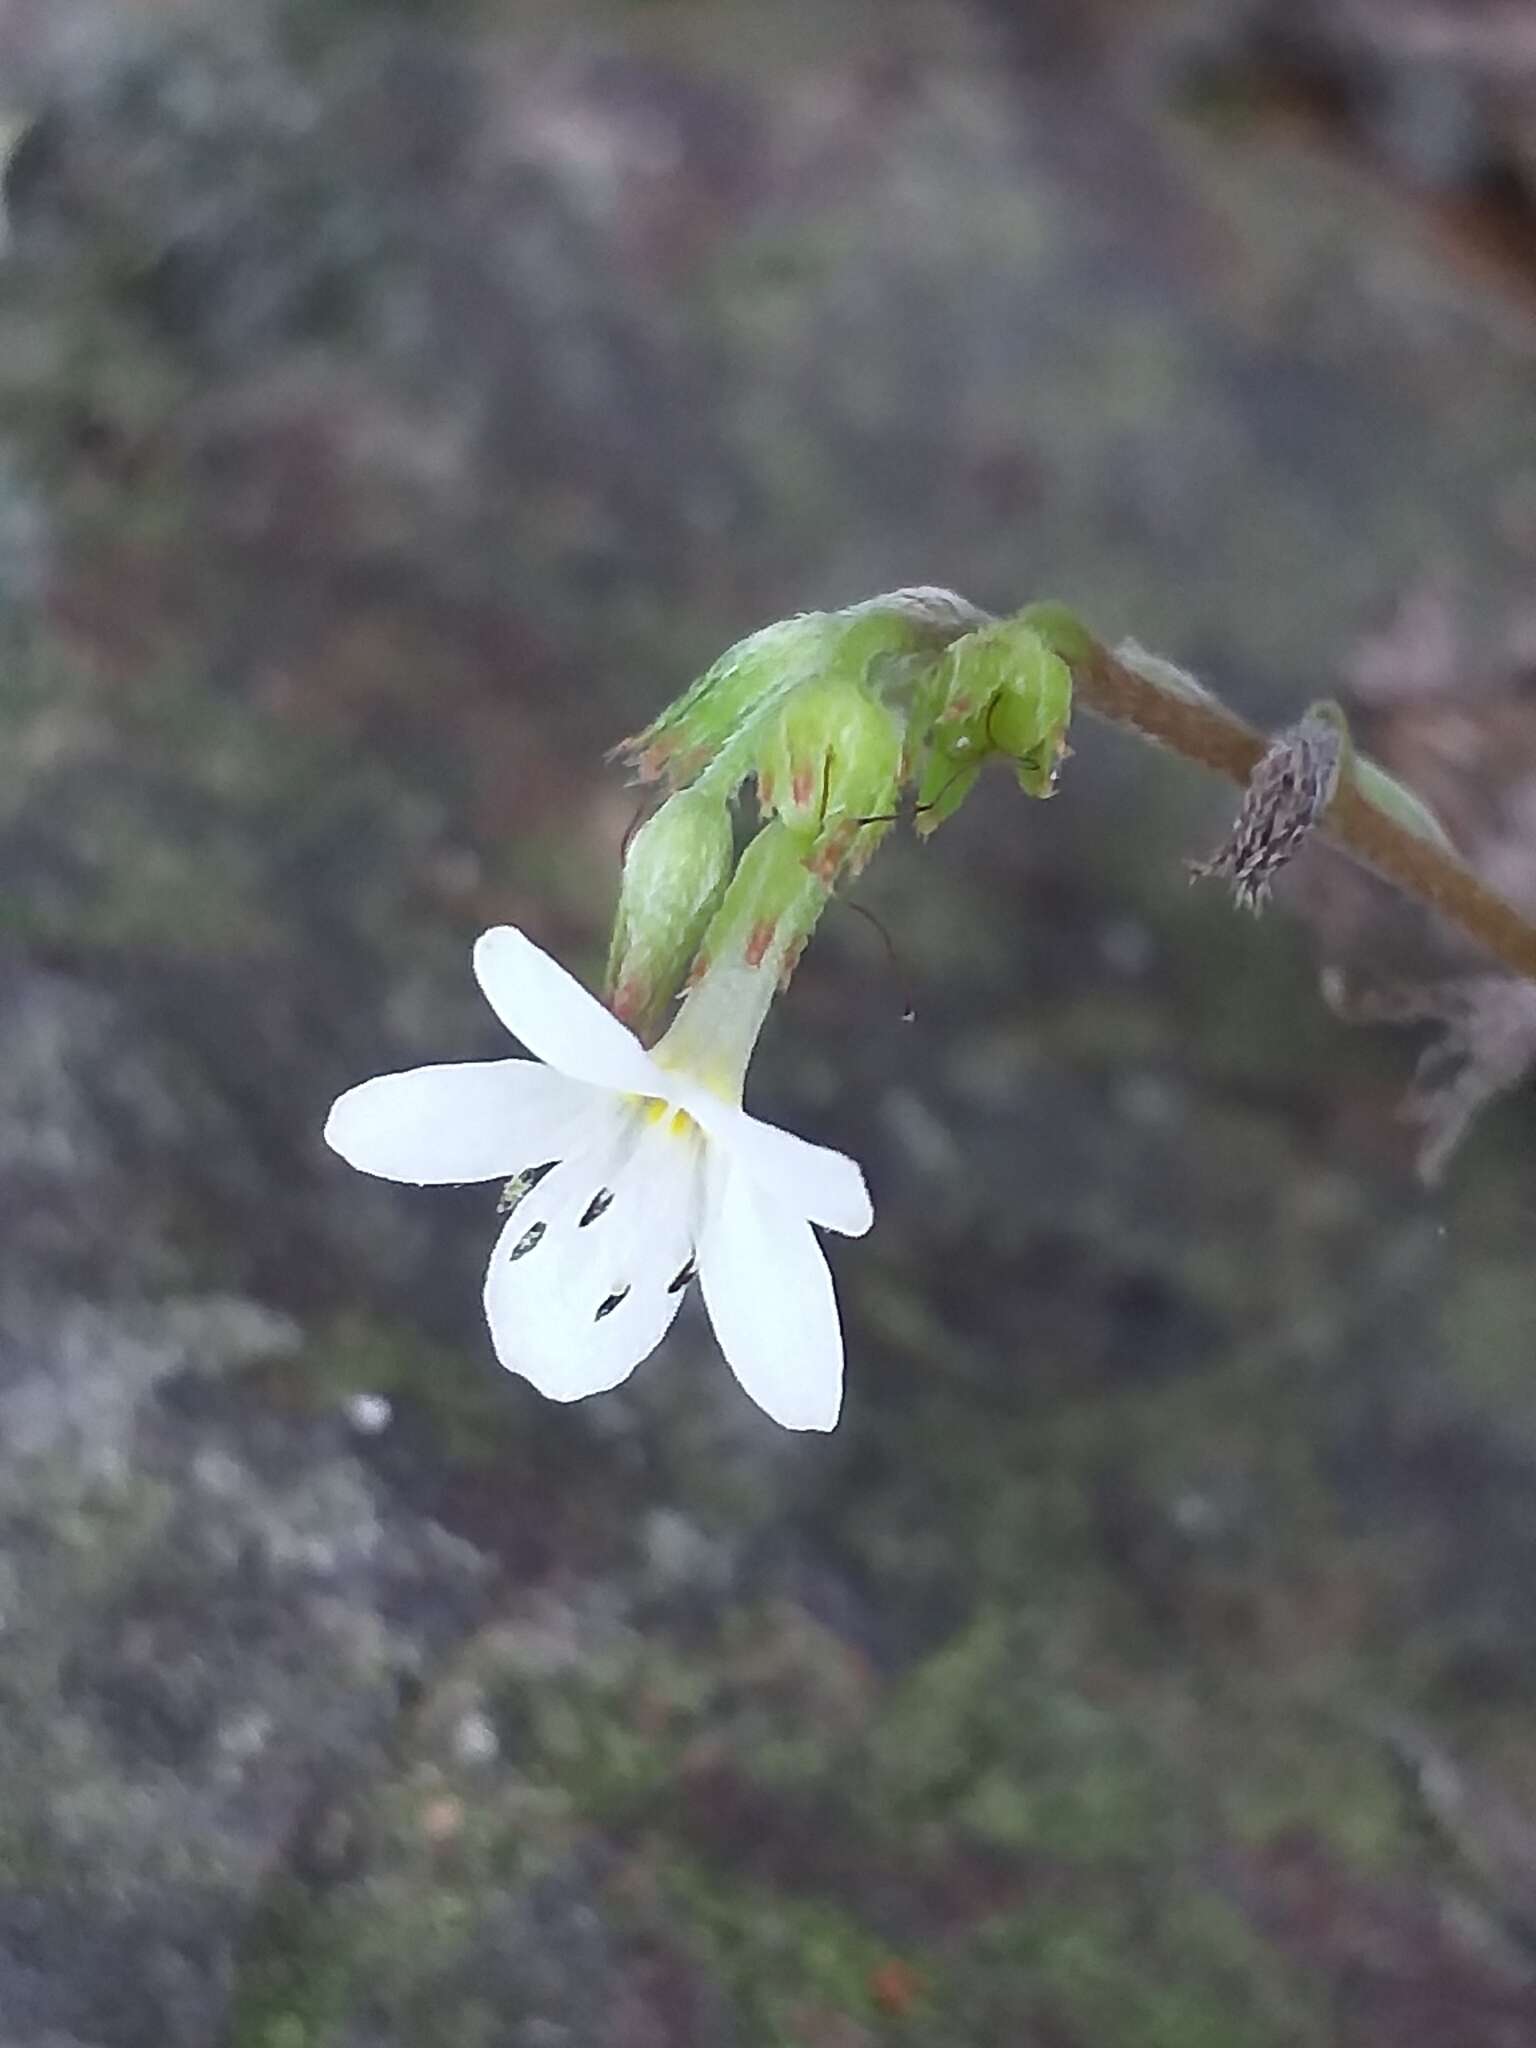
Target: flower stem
{"x": 1205, "y": 731}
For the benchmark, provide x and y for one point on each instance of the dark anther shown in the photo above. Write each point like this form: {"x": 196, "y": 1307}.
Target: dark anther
{"x": 528, "y": 1240}
{"x": 523, "y": 1184}
{"x": 598, "y": 1206}
{"x": 606, "y": 1308}
{"x": 677, "y": 1285}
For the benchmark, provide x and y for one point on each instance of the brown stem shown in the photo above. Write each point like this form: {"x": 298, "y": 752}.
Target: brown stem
{"x": 1207, "y": 732}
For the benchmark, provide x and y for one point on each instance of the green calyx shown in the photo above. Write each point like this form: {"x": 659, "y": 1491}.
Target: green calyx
{"x": 747, "y": 954}
{"x": 999, "y": 691}
{"x": 676, "y": 868}
{"x": 830, "y": 767}
{"x": 770, "y": 907}
{"x": 716, "y": 728}
{"x": 718, "y": 713}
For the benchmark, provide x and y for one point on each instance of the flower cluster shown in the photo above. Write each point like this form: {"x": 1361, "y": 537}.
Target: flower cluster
{"x": 631, "y": 1171}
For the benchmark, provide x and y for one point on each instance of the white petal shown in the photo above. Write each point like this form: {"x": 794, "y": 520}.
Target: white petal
{"x": 556, "y": 1018}
{"x": 579, "y": 1290}
{"x": 811, "y": 1180}
{"x": 770, "y": 1298}
{"x": 479, "y": 1120}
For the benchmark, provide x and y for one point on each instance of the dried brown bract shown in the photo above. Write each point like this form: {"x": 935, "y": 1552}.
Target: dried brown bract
{"x": 1288, "y": 792}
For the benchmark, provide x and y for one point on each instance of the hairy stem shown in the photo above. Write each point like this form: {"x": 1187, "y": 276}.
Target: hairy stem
{"x": 1203, "y": 730}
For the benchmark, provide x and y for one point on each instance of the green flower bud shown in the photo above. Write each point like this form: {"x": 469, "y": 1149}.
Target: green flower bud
{"x": 1029, "y": 721}
{"x": 831, "y": 768}
{"x": 947, "y": 780}
{"x": 731, "y": 696}
{"x": 715, "y": 728}
{"x": 1000, "y": 690}
{"x": 675, "y": 872}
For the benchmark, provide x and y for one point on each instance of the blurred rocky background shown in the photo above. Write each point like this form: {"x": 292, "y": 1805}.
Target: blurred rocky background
{"x": 398, "y": 403}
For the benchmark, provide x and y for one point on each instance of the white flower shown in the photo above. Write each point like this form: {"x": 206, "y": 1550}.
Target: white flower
{"x": 639, "y": 1169}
